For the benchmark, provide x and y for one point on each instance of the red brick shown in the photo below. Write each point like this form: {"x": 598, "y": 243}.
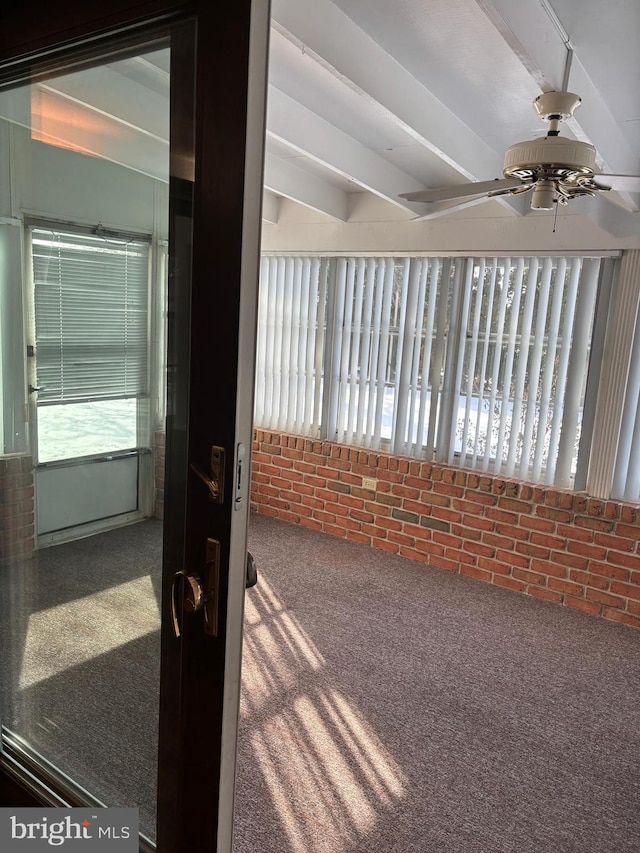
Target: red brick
{"x": 544, "y": 594}
{"x": 512, "y": 531}
{"x": 442, "y": 563}
{"x": 588, "y": 579}
{"x": 573, "y": 561}
{"x": 467, "y": 506}
{"x": 289, "y": 516}
{"x": 445, "y": 539}
{"x": 377, "y": 509}
{"x": 630, "y": 531}
{"x": 431, "y": 498}
{"x": 374, "y": 530}
{"x": 591, "y": 551}
{"x": 594, "y": 524}
{"x": 633, "y": 606}
{"x": 605, "y": 598}
{"x": 302, "y": 489}
{"x": 415, "y": 506}
{"x": 608, "y": 570}
{"x": 312, "y": 502}
{"x": 565, "y": 586}
{"x": 509, "y": 583}
{"x": 547, "y": 541}
{"x": 512, "y": 558}
{"x": 358, "y": 515}
{"x": 404, "y": 492}
{"x": 282, "y": 462}
{"x": 343, "y": 477}
{"x": 529, "y": 577}
{"x": 516, "y": 505}
{"x": 389, "y": 524}
{"x": 624, "y": 618}
{"x": 498, "y": 541}
{"x": 429, "y": 548}
{"x": 334, "y": 530}
{"x": 580, "y": 534}
{"x": 292, "y": 453}
{"x": 391, "y": 547}
{"x": 467, "y": 532}
{"x": 543, "y": 525}
{"x": 626, "y": 589}
{"x": 472, "y": 572}
{"x": 501, "y": 515}
{"x": 553, "y": 514}
{"x": 446, "y": 489}
{"x": 412, "y": 554}
{"x": 580, "y": 604}
{"x": 317, "y": 482}
{"x": 618, "y": 558}
{"x": 532, "y": 550}
{"x": 324, "y": 517}
{"x": 460, "y": 556}
{"x": 349, "y": 500}
{"x": 445, "y": 514}
{"x": 478, "y": 548}
{"x": 477, "y": 522}
{"x": 617, "y": 543}
{"x": 401, "y": 539}
{"x": 494, "y": 566}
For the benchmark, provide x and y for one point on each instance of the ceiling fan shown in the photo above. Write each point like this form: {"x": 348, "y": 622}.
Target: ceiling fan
{"x": 557, "y": 169}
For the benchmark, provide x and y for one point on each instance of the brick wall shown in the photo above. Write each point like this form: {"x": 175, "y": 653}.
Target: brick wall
{"x": 17, "y": 512}
{"x": 556, "y": 545}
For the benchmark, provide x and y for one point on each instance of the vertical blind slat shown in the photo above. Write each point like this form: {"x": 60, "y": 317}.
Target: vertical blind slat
{"x": 479, "y": 362}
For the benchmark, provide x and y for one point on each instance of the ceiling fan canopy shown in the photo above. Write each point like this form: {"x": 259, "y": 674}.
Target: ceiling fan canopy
{"x": 555, "y": 168}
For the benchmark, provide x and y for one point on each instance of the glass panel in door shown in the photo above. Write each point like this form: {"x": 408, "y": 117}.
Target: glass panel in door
{"x": 83, "y": 234}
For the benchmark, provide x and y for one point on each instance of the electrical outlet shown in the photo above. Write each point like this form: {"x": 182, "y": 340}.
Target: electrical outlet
{"x": 369, "y": 483}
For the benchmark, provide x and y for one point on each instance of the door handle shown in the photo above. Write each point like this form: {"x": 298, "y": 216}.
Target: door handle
{"x": 215, "y": 480}
{"x": 193, "y": 597}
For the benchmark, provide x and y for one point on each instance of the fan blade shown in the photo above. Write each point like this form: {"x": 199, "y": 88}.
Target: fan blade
{"x": 523, "y": 188}
{"x": 446, "y": 193}
{"x": 622, "y": 183}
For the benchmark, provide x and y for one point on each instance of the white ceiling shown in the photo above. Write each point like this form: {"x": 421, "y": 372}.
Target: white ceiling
{"x": 439, "y": 90}
{"x": 386, "y": 97}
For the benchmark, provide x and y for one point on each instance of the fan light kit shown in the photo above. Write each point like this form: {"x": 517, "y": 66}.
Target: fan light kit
{"x": 557, "y": 169}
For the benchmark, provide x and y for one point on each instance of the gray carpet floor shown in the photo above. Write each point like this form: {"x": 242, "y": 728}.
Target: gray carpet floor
{"x": 386, "y": 706}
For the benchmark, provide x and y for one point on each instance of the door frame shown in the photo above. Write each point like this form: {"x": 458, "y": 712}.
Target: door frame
{"x": 215, "y": 319}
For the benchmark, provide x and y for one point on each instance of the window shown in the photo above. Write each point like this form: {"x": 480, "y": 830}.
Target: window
{"x": 480, "y": 362}
{"x": 91, "y": 340}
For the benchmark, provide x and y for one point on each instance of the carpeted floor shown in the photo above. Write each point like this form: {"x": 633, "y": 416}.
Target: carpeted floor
{"x": 386, "y": 706}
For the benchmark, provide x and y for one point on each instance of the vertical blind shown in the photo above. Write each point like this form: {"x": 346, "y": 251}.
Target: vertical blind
{"x": 474, "y": 361}
{"x": 91, "y": 316}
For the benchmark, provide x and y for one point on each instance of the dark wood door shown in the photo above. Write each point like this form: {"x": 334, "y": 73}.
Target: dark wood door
{"x": 217, "y": 101}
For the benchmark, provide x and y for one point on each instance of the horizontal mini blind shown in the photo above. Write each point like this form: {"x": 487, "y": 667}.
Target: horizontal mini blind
{"x": 91, "y": 316}
{"x": 480, "y": 362}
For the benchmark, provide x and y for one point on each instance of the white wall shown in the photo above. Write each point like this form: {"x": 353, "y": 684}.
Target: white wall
{"x": 59, "y": 184}
{"x": 376, "y": 227}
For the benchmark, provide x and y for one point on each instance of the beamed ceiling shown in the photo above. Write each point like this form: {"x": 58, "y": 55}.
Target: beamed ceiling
{"x": 374, "y": 98}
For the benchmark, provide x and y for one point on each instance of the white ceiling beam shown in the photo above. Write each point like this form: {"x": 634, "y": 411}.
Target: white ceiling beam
{"x": 270, "y": 207}
{"x": 285, "y": 179}
{"x": 542, "y": 45}
{"x": 612, "y": 218}
{"x": 332, "y": 39}
{"x": 307, "y": 133}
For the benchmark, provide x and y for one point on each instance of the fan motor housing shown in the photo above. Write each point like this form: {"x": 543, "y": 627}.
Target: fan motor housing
{"x": 552, "y": 156}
